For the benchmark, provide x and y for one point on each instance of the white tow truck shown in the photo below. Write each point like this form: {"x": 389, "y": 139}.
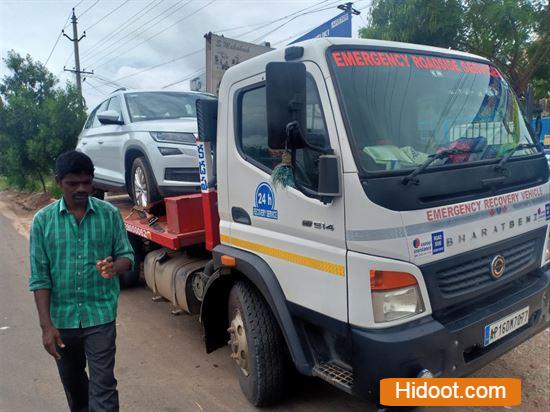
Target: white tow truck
{"x": 408, "y": 236}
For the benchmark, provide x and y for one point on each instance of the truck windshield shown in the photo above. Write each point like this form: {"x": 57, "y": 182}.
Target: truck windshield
{"x": 403, "y": 107}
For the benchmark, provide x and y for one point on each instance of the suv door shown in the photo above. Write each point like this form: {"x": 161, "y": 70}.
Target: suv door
{"x": 111, "y": 139}
{"x": 300, "y": 238}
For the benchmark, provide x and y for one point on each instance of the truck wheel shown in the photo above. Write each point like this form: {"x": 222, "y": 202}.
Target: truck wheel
{"x": 257, "y": 345}
{"x": 144, "y": 188}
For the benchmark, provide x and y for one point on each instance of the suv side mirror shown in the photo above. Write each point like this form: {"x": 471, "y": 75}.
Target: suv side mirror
{"x": 286, "y": 104}
{"x": 109, "y": 117}
{"x": 329, "y": 178}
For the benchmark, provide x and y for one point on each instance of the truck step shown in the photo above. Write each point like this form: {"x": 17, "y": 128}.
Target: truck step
{"x": 335, "y": 374}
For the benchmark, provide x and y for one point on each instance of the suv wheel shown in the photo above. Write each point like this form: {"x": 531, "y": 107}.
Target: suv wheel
{"x": 144, "y": 188}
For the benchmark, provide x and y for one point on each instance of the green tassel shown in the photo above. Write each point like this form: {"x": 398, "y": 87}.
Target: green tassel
{"x": 283, "y": 174}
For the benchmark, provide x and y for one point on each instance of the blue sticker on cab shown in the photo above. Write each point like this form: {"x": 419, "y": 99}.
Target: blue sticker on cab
{"x": 438, "y": 243}
{"x": 547, "y": 207}
{"x": 264, "y": 202}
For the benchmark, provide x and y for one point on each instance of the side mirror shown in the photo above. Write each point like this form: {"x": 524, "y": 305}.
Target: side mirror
{"x": 329, "y": 178}
{"x": 109, "y": 117}
{"x": 207, "y": 119}
{"x": 286, "y": 104}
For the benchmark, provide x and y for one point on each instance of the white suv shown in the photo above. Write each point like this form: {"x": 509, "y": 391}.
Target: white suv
{"x": 143, "y": 142}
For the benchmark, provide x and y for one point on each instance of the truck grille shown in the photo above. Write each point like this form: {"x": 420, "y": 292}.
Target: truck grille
{"x": 469, "y": 276}
{"x": 463, "y": 280}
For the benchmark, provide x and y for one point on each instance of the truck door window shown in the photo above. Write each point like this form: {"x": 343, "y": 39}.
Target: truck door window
{"x": 252, "y": 134}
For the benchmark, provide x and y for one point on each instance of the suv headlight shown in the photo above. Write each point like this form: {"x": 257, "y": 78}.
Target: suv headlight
{"x": 173, "y": 137}
{"x": 395, "y": 295}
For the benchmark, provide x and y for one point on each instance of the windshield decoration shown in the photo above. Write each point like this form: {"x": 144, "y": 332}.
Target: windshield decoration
{"x": 374, "y": 58}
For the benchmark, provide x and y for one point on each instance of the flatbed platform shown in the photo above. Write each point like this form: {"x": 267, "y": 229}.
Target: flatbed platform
{"x": 177, "y": 229}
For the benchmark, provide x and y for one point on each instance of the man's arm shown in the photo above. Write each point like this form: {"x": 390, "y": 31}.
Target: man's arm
{"x": 40, "y": 283}
{"x": 123, "y": 253}
{"x": 50, "y": 335}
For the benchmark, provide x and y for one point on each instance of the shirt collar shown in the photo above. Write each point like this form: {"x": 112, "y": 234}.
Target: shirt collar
{"x": 63, "y": 205}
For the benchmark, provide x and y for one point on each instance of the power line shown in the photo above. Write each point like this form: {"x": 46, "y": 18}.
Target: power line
{"x": 128, "y": 22}
{"x": 88, "y": 9}
{"x": 162, "y": 31}
{"x": 57, "y": 40}
{"x": 107, "y": 15}
{"x": 151, "y": 23}
{"x": 189, "y": 77}
{"x": 292, "y": 19}
{"x": 105, "y": 80}
{"x": 161, "y": 64}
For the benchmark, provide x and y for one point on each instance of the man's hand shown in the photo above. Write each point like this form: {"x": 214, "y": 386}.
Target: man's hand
{"x": 106, "y": 268}
{"x": 50, "y": 339}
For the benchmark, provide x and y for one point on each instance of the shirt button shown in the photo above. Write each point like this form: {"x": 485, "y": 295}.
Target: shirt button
{"x": 77, "y": 288}
{"x": 79, "y": 256}
{"x": 80, "y": 304}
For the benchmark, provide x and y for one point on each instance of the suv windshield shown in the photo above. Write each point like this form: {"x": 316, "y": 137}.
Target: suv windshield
{"x": 403, "y": 107}
{"x": 161, "y": 105}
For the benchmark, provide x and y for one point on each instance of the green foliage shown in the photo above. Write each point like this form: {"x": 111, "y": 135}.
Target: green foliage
{"x": 38, "y": 121}
{"x": 514, "y": 34}
{"x": 433, "y": 22}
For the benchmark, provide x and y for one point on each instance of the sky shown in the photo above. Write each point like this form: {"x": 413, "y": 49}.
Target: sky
{"x": 125, "y": 38}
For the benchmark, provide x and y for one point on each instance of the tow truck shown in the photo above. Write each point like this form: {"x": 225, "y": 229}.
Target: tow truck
{"x": 409, "y": 234}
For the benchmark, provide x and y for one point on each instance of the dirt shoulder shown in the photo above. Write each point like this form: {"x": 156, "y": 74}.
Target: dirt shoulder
{"x": 20, "y": 207}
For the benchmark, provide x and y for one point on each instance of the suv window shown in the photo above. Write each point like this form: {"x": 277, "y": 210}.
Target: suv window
{"x": 101, "y": 108}
{"x": 114, "y": 104}
{"x": 252, "y": 134}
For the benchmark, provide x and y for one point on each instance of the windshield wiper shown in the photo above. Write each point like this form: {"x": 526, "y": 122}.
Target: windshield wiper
{"x": 431, "y": 158}
{"x": 500, "y": 166}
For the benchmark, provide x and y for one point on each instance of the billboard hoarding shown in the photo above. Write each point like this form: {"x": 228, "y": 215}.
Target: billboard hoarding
{"x": 222, "y": 53}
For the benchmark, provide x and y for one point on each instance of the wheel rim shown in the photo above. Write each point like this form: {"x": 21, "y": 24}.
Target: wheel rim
{"x": 140, "y": 187}
{"x": 238, "y": 343}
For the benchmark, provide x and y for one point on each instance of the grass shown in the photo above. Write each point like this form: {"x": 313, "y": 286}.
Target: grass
{"x": 34, "y": 186}
{"x": 4, "y": 183}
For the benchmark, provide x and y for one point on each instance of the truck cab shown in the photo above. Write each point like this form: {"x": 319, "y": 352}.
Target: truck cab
{"x": 438, "y": 226}
{"x": 368, "y": 210}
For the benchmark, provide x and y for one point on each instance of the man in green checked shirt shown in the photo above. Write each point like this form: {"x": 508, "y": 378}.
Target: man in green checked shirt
{"x": 78, "y": 246}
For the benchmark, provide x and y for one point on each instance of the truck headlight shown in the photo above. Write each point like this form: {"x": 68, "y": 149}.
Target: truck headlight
{"x": 173, "y": 137}
{"x": 395, "y": 295}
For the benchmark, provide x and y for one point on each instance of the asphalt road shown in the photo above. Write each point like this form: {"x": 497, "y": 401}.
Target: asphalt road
{"x": 161, "y": 362}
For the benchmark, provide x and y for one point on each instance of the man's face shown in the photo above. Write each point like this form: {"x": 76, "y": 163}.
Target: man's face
{"x": 76, "y": 188}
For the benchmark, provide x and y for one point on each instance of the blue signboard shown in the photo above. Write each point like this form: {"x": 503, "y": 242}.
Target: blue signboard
{"x": 339, "y": 26}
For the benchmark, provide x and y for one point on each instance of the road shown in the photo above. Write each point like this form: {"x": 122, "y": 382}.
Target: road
{"x": 161, "y": 364}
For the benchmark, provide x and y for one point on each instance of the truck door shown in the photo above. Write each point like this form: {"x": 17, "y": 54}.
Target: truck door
{"x": 299, "y": 237}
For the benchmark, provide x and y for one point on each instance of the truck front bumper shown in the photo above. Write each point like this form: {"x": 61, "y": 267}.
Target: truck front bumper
{"x": 448, "y": 347}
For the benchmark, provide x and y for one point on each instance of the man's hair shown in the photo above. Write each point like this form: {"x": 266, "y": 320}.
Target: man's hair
{"x": 73, "y": 162}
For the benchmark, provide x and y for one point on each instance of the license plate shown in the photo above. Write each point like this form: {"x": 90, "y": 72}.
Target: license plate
{"x": 505, "y": 326}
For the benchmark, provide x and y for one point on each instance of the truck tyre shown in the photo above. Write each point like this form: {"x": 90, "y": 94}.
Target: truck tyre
{"x": 144, "y": 187}
{"x": 257, "y": 345}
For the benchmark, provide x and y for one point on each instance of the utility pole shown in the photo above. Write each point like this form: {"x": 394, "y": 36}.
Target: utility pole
{"x": 75, "y": 39}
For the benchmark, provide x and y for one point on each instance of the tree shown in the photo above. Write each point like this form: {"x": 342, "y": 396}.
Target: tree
{"x": 433, "y": 22}
{"x": 514, "y": 34}
{"x": 37, "y": 121}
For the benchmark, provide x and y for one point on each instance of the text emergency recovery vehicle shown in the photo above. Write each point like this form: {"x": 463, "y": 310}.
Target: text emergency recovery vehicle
{"x": 408, "y": 235}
